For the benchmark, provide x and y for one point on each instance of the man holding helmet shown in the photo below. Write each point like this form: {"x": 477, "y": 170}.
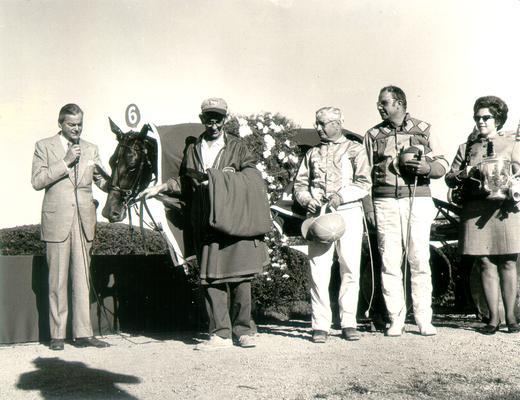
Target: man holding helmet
{"x": 403, "y": 162}
{"x": 334, "y": 174}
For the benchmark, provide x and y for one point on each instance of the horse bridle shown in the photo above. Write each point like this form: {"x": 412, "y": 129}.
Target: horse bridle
{"x": 129, "y": 194}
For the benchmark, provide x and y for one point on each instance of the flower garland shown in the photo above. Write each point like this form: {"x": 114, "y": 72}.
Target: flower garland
{"x": 271, "y": 138}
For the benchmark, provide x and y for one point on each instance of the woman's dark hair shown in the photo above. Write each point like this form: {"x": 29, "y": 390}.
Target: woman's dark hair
{"x": 497, "y": 107}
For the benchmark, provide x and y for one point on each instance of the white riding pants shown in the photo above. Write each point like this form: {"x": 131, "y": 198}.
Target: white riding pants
{"x": 321, "y": 255}
{"x": 392, "y": 217}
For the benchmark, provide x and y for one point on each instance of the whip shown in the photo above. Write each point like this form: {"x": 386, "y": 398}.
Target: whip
{"x": 407, "y": 238}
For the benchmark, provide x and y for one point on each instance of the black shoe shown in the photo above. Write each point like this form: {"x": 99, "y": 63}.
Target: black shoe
{"x": 350, "y": 334}
{"x": 513, "y": 328}
{"x": 89, "y": 342}
{"x": 56, "y": 344}
{"x": 319, "y": 336}
{"x": 488, "y": 329}
{"x": 378, "y": 323}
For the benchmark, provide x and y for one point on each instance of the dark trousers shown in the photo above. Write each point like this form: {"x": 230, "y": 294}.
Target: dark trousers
{"x": 229, "y": 308}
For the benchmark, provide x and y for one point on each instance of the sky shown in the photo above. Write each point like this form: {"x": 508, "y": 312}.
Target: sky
{"x": 286, "y": 56}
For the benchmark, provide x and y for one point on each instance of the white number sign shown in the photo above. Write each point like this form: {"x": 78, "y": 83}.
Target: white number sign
{"x": 132, "y": 115}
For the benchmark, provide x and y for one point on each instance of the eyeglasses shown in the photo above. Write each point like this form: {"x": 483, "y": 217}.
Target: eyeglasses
{"x": 211, "y": 122}
{"x": 384, "y": 103}
{"x": 477, "y": 118}
{"x": 324, "y": 124}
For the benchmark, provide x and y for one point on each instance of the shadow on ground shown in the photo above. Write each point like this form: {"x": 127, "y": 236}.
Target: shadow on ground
{"x": 292, "y": 328}
{"x": 56, "y": 378}
{"x": 186, "y": 337}
{"x": 301, "y": 329}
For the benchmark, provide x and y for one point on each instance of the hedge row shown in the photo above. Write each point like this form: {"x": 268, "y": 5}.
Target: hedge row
{"x": 111, "y": 239}
{"x": 281, "y": 291}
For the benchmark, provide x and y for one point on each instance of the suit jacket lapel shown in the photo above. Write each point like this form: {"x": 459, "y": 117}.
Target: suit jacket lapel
{"x": 83, "y": 160}
{"x": 56, "y": 147}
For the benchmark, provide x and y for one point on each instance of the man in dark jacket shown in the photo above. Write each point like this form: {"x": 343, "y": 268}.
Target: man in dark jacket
{"x": 227, "y": 214}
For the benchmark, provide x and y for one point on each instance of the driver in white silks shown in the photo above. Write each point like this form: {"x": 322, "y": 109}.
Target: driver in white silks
{"x": 334, "y": 174}
{"x": 403, "y": 162}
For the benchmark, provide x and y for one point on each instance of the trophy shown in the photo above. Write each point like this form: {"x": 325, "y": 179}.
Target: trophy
{"x": 497, "y": 178}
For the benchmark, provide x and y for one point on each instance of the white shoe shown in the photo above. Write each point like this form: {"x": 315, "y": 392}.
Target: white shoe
{"x": 246, "y": 341}
{"x": 395, "y": 329}
{"x": 215, "y": 342}
{"x": 427, "y": 329}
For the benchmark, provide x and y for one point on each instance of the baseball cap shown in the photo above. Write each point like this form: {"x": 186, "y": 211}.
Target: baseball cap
{"x": 214, "y": 104}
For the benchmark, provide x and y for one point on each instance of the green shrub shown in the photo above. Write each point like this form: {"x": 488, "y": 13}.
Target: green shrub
{"x": 282, "y": 291}
{"x": 111, "y": 239}
{"x": 21, "y": 240}
{"x": 118, "y": 239}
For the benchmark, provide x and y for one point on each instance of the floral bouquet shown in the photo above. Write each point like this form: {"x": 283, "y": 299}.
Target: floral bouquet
{"x": 284, "y": 284}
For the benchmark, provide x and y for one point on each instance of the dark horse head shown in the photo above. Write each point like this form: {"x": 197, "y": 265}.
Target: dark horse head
{"x": 134, "y": 165}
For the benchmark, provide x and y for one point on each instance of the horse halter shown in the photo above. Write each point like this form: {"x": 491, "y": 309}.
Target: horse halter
{"x": 131, "y": 190}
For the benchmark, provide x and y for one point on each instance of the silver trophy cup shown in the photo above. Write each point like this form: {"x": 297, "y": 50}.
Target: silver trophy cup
{"x": 496, "y": 175}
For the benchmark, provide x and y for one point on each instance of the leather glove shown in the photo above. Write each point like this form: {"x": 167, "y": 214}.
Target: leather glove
{"x": 418, "y": 167}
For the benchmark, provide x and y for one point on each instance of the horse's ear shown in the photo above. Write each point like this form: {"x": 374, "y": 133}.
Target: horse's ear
{"x": 144, "y": 131}
{"x": 114, "y": 128}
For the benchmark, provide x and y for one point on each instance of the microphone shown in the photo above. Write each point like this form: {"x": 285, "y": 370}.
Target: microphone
{"x": 72, "y": 142}
{"x": 76, "y": 141}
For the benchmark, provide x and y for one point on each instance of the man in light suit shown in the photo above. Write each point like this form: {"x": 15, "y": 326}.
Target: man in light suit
{"x": 65, "y": 167}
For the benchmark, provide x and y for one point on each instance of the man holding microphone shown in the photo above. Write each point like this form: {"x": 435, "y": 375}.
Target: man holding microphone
{"x": 65, "y": 167}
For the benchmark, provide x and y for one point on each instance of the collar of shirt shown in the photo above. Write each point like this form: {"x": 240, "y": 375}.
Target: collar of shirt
{"x": 341, "y": 139}
{"x": 65, "y": 142}
{"x": 476, "y": 136}
{"x": 210, "y": 152}
{"x": 490, "y": 137}
{"x": 401, "y": 127}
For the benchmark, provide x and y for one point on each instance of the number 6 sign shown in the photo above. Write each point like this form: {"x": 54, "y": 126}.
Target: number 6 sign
{"x": 132, "y": 115}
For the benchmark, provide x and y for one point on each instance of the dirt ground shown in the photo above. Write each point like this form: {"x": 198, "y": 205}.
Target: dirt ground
{"x": 458, "y": 363}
